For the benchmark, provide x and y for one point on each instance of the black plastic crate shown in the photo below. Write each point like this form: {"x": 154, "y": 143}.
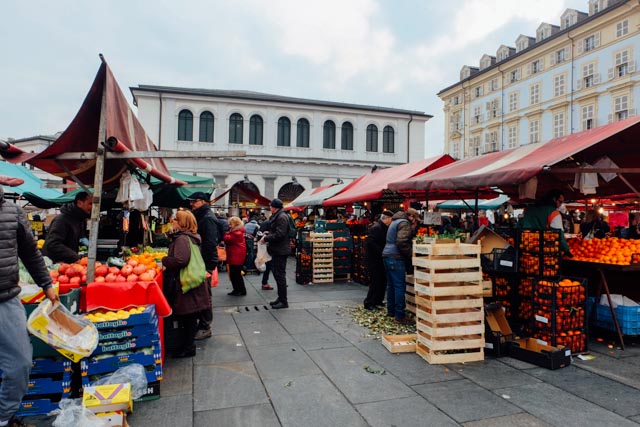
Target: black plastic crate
{"x": 505, "y": 260}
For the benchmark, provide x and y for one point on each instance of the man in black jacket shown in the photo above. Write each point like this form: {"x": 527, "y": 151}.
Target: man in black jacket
{"x": 208, "y": 231}
{"x": 373, "y": 246}
{"x": 16, "y": 241}
{"x": 279, "y": 249}
{"x": 66, "y": 230}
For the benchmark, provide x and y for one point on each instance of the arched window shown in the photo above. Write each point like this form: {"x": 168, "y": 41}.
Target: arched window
{"x": 388, "y": 139}
{"x": 235, "y": 129}
{"x": 255, "y": 130}
{"x": 372, "y": 138}
{"x": 206, "y": 127}
{"x": 347, "y": 136}
{"x": 185, "y": 126}
{"x": 329, "y": 135}
{"x": 284, "y": 132}
{"x": 303, "y": 133}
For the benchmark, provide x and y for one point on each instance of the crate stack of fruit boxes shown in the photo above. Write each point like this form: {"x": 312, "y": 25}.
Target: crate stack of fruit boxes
{"x": 125, "y": 337}
{"x": 449, "y": 304}
{"x": 322, "y": 257}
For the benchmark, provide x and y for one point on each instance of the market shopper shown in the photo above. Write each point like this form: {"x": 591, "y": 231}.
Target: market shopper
{"x": 594, "y": 226}
{"x": 396, "y": 255}
{"x": 279, "y": 248}
{"x": 186, "y": 306}
{"x": 264, "y": 227}
{"x": 545, "y": 214}
{"x": 16, "y": 242}
{"x": 208, "y": 231}
{"x": 236, "y": 254}
{"x": 373, "y": 246}
{"x": 67, "y": 229}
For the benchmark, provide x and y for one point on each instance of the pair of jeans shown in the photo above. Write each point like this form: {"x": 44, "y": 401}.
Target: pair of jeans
{"x": 15, "y": 356}
{"x": 395, "y": 270}
{"x": 279, "y": 265}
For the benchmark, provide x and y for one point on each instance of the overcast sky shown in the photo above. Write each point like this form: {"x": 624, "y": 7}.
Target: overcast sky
{"x": 393, "y": 53}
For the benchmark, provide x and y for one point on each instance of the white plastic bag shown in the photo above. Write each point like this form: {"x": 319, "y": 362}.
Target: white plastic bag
{"x": 134, "y": 374}
{"x": 262, "y": 258}
{"x": 73, "y": 414}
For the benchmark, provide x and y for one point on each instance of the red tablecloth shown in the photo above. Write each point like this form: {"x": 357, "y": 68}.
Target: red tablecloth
{"x": 116, "y": 296}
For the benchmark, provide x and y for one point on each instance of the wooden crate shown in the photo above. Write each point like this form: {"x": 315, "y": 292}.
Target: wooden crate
{"x": 322, "y": 257}
{"x": 436, "y": 357}
{"x": 400, "y": 343}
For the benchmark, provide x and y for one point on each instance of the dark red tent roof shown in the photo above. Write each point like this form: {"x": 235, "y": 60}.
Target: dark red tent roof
{"x": 82, "y": 135}
{"x": 544, "y": 166}
{"x": 371, "y": 185}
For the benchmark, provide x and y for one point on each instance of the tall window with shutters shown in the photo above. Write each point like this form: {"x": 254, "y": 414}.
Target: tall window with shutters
{"x": 329, "y": 135}
{"x": 346, "y": 139}
{"x": 284, "y": 132}
{"x": 534, "y": 131}
{"x": 236, "y": 122}
{"x": 185, "y": 126}
{"x": 206, "y": 127}
{"x": 534, "y": 93}
{"x": 302, "y": 136}
{"x": 255, "y": 130}
{"x": 512, "y": 136}
{"x": 388, "y": 140}
{"x": 558, "y": 124}
{"x": 588, "y": 118}
{"x": 621, "y": 107}
{"x": 513, "y": 101}
{"x": 559, "y": 85}
{"x": 372, "y": 139}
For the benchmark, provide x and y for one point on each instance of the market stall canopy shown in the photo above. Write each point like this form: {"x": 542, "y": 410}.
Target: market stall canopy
{"x": 122, "y": 129}
{"x": 372, "y": 185}
{"x": 471, "y": 203}
{"x": 315, "y": 198}
{"x": 602, "y": 161}
{"x": 246, "y": 195}
{"x": 31, "y": 189}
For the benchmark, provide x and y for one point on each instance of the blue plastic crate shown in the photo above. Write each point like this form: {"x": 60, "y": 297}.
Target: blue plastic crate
{"x": 128, "y": 333}
{"x": 29, "y": 407}
{"x": 153, "y": 374}
{"x": 127, "y": 345}
{"x": 100, "y": 365}
{"x": 628, "y": 318}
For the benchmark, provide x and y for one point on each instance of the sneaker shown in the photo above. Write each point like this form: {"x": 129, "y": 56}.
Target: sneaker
{"x": 405, "y": 321}
{"x": 274, "y": 302}
{"x": 267, "y": 287}
{"x": 279, "y": 305}
{"x": 202, "y": 334}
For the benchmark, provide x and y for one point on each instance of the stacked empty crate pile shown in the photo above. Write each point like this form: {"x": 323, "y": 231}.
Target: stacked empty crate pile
{"x": 410, "y": 294}
{"x": 126, "y": 337}
{"x": 449, "y": 304}
{"x": 322, "y": 258}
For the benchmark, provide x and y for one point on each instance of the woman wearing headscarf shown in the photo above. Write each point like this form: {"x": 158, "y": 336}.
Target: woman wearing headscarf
{"x": 186, "y": 306}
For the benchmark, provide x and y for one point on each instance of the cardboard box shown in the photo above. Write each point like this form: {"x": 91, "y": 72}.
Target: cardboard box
{"x": 498, "y": 336}
{"x": 114, "y": 419}
{"x": 488, "y": 240}
{"x": 108, "y": 398}
{"x": 533, "y": 351}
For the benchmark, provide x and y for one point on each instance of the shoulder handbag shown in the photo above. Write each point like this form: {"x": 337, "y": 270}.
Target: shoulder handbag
{"x": 195, "y": 272}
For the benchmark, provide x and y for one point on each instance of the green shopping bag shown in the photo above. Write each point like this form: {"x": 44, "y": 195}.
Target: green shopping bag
{"x": 195, "y": 272}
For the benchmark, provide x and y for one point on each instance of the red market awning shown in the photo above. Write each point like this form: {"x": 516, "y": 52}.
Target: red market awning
{"x": 122, "y": 129}
{"x": 245, "y": 195}
{"x": 371, "y": 186}
{"x": 532, "y": 170}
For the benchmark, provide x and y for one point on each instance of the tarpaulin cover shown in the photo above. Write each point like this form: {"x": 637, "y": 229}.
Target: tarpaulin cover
{"x": 31, "y": 189}
{"x": 471, "y": 203}
{"x": 82, "y": 135}
{"x": 508, "y": 169}
{"x": 371, "y": 185}
{"x": 320, "y": 195}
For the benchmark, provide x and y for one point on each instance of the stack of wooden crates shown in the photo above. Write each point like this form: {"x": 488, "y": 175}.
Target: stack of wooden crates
{"x": 448, "y": 298}
{"x": 322, "y": 257}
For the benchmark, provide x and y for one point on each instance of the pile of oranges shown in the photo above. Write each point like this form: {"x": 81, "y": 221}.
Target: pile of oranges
{"x": 611, "y": 250}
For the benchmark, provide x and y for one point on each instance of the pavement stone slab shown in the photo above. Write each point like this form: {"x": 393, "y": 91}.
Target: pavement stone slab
{"x": 303, "y": 324}
{"x": 253, "y": 316}
{"x": 514, "y": 363}
{"x": 177, "y": 377}
{"x": 406, "y": 412}
{"x": 227, "y": 385}
{"x": 221, "y": 349}
{"x": 223, "y": 324}
{"x": 410, "y": 368}
{"x": 325, "y": 313}
{"x": 264, "y": 333}
{"x": 491, "y": 374}
{"x": 175, "y": 411}
{"x": 320, "y": 340}
{"x": 607, "y": 393}
{"x": 243, "y": 416}
{"x": 560, "y": 408}
{"x": 465, "y": 401}
{"x": 283, "y": 360}
{"x": 358, "y": 376}
{"x": 311, "y": 401}
{"x": 519, "y": 420}
{"x": 615, "y": 369}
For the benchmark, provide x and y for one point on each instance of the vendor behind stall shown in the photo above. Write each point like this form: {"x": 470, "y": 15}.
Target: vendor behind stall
{"x": 66, "y": 230}
{"x": 545, "y": 214}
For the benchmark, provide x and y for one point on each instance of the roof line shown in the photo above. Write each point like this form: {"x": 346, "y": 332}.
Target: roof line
{"x": 257, "y": 96}
{"x": 538, "y": 44}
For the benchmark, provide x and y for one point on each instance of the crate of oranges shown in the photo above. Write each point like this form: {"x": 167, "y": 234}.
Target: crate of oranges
{"x": 560, "y": 291}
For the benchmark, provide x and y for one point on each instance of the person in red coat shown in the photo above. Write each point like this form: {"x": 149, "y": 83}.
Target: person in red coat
{"x": 236, "y": 254}
{"x": 186, "y": 307}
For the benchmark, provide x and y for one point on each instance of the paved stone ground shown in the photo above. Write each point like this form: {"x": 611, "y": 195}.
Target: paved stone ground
{"x": 304, "y": 366}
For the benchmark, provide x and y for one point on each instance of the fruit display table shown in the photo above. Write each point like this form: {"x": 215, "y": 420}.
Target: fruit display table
{"x": 603, "y": 270}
